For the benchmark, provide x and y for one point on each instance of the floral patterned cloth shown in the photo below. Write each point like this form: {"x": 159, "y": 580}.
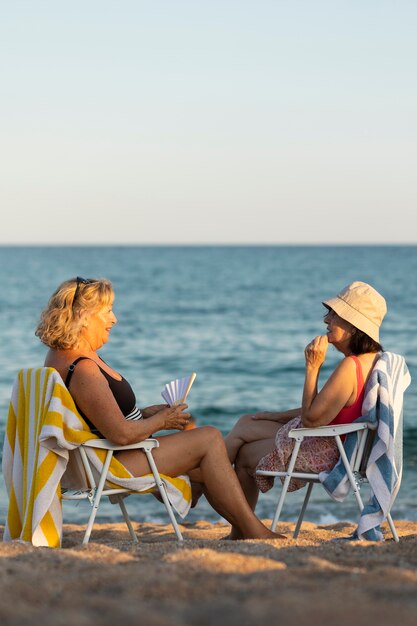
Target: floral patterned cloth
{"x": 316, "y": 454}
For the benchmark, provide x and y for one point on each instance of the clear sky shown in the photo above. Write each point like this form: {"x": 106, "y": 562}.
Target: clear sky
{"x": 215, "y": 121}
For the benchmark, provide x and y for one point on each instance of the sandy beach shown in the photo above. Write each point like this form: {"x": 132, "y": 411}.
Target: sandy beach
{"x": 206, "y": 580}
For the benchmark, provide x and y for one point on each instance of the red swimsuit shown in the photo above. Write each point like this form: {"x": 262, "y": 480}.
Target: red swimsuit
{"x": 350, "y": 413}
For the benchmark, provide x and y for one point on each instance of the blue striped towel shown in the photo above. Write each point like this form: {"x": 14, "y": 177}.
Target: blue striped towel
{"x": 383, "y": 406}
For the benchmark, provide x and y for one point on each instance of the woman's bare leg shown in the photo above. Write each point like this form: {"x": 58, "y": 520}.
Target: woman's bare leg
{"x": 203, "y": 448}
{"x": 246, "y": 430}
{"x": 245, "y": 467}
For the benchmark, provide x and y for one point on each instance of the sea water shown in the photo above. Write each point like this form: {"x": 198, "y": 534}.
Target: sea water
{"x": 238, "y": 316}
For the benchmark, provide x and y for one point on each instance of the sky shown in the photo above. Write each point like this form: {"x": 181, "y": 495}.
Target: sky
{"x": 208, "y": 122}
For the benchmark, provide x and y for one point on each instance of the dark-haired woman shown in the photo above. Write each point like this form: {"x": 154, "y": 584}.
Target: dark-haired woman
{"x": 260, "y": 440}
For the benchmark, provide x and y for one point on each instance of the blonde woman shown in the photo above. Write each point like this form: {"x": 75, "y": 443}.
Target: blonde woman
{"x": 76, "y": 323}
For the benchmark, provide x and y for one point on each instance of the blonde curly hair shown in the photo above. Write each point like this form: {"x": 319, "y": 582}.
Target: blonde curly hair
{"x": 72, "y": 303}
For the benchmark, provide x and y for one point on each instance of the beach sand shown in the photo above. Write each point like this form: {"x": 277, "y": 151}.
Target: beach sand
{"x": 207, "y": 581}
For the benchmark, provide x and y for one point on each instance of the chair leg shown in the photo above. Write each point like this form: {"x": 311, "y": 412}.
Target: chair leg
{"x": 355, "y": 488}
{"x": 392, "y": 527}
{"x": 303, "y": 509}
{"x": 127, "y": 519}
{"x": 353, "y": 483}
{"x": 164, "y": 496}
{"x": 286, "y": 484}
{"x": 97, "y": 497}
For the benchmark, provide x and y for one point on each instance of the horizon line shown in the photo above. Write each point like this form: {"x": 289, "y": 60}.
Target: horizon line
{"x": 204, "y": 244}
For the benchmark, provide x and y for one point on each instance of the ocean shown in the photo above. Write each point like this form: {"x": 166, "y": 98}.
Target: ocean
{"x": 239, "y": 316}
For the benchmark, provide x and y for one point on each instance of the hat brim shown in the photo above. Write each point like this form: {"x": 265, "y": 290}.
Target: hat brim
{"x": 354, "y": 317}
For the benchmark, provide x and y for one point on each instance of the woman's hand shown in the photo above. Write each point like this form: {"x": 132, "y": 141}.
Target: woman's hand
{"x": 315, "y": 352}
{"x": 153, "y": 409}
{"x": 173, "y": 417}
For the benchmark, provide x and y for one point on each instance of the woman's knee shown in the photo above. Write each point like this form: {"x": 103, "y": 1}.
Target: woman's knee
{"x": 245, "y": 460}
{"x": 211, "y": 434}
{"x": 242, "y": 424}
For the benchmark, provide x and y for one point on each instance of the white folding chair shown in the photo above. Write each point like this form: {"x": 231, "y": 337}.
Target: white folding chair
{"x": 383, "y": 403}
{"x": 94, "y": 490}
{"x": 40, "y": 466}
{"x": 355, "y": 469}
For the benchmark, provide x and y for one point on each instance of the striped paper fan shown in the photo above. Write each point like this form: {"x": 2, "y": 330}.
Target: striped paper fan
{"x": 177, "y": 390}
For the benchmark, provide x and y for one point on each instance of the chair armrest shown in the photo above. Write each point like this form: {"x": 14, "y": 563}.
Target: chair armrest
{"x": 329, "y": 431}
{"x": 107, "y": 445}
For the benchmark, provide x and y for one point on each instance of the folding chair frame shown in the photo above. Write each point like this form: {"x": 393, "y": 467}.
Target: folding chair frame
{"x": 353, "y": 469}
{"x": 94, "y": 491}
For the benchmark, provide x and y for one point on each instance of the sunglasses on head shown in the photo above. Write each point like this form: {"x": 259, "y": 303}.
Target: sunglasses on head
{"x": 81, "y": 281}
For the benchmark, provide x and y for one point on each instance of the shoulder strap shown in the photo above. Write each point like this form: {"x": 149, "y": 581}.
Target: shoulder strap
{"x": 71, "y": 369}
{"x": 359, "y": 372}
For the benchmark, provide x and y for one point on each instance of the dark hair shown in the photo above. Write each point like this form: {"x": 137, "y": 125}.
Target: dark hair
{"x": 361, "y": 343}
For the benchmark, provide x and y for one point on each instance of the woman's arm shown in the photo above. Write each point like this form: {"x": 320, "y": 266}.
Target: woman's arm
{"x": 320, "y": 408}
{"x": 278, "y": 416}
{"x": 92, "y": 394}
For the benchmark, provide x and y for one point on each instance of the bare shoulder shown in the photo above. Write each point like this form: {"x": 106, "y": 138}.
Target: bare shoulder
{"x": 88, "y": 383}
{"x": 341, "y": 385}
{"x": 87, "y": 368}
{"x": 345, "y": 371}
{"x": 368, "y": 361}
{"x": 346, "y": 365}
{"x": 59, "y": 360}
{"x": 85, "y": 371}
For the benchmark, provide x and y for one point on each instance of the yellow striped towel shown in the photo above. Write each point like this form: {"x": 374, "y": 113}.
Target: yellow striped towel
{"x": 43, "y": 426}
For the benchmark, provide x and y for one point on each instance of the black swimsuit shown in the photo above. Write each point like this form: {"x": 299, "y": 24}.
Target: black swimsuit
{"x": 121, "y": 390}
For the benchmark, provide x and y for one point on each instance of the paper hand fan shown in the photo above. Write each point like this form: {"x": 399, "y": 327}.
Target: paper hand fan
{"x": 177, "y": 390}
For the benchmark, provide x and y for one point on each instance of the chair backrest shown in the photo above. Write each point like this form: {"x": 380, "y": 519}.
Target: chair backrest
{"x": 361, "y": 461}
{"x": 35, "y": 455}
{"x": 76, "y": 475}
{"x": 398, "y": 444}
{"x": 391, "y": 375}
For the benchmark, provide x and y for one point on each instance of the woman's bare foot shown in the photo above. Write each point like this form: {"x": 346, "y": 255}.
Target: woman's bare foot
{"x": 269, "y": 534}
{"x": 232, "y": 536}
{"x": 235, "y": 535}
